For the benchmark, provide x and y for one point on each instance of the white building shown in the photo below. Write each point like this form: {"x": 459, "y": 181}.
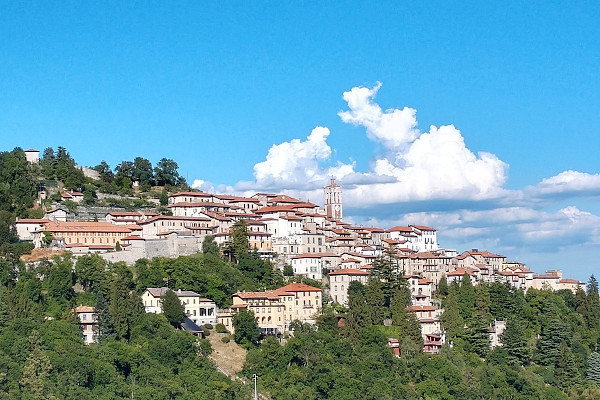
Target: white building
{"x": 198, "y": 309}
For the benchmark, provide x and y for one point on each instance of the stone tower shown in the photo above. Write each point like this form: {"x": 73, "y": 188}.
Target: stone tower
{"x": 333, "y": 200}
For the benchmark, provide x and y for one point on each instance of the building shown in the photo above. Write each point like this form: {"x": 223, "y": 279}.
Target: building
{"x": 340, "y": 280}
{"x": 333, "y": 200}
{"x": 88, "y": 323}
{"x": 89, "y": 234}
{"x": 268, "y": 309}
{"x": 302, "y": 302}
{"x": 76, "y": 197}
{"x": 197, "y": 308}
{"x": 32, "y": 156}
{"x": 26, "y": 227}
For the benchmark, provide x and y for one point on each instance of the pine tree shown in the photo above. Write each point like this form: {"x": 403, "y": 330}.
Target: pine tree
{"x": 172, "y": 308}
{"x": 565, "y": 369}
{"x": 593, "y": 304}
{"x": 515, "y": 342}
{"x": 593, "y": 368}
{"x": 553, "y": 334}
{"x": 121, "y": 309}
{"x": 477, "y": 336}
{"x": 451, "y": 319}
{"x": 105, "y": 327}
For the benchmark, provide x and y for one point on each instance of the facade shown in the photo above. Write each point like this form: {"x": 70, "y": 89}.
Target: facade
{"x": 88, "y": 323}
{"x": 197, "y": 308}
{"x": 340, "y": 280}
{"x": 32, "y": 156}
{"x": 26, "y": 227}
{"x": 89, "y": 234}
{"x": 302, "y": 302}
{"x": 268, "y": 309}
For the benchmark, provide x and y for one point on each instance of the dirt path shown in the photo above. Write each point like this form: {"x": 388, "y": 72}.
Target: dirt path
{"x": 228, "y": 356}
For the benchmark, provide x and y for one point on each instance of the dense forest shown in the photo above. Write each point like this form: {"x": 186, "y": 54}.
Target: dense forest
{"x": 549, "y": 348}
{"x": 42, "y": 354}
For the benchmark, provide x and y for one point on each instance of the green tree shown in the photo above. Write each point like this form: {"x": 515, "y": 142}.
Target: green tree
{"x": 166, "y": 173}
{"x": 172, "y": 308}
{"x": 288, "y": 270}
{"x": 36, "y": 372}
{"x": 163, "y": 198}
{"x": 105, "y": 327}
{"x": 106, "y": 174}
{"x": 466, "y": 298}
{"x": 239, "y": 244}
{"x": 8, "y": 234}
{"x": 593, "y": 304}
{"x": 553, "y": 334}
{"x": 477, "y": 336}
{"x": 60, "y": 281}
{"x": 565, "y": 369}
{"x": 593, "y": 368}
{"x": 375, "y": 310}
{"x": 143, "y": 173}
{"x": 90, "y": 272}
{"x": 442, "y": 288}
{"x": 407, "y": 321}
{"x": 247, "y": 331}
{"x": 451, "y": 319}
{"x": 514, "y": 342}
{"x": 386, "y": 270}
{"x": 209, "y": 246}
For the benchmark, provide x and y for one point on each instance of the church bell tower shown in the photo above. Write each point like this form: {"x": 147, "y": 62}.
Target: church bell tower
{"x": 333, "y": 200}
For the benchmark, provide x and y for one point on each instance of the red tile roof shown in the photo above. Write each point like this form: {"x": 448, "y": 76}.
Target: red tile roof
{"x": 350, "y": 271}
{"x": 296, "y": 287}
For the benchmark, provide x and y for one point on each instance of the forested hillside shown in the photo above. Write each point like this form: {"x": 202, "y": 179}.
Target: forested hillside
{"x": 549, "y": 348}
{"x": 42, "y": 355}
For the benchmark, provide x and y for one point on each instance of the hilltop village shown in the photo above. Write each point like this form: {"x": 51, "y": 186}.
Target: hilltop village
{"x": 300, "y": 238}
{"x": 127, "y": 283}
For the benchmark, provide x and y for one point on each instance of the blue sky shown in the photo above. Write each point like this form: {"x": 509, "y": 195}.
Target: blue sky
{"x": 232, "y": 91}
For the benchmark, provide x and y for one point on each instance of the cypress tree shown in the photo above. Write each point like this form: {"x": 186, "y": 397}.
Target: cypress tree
{"x": 105, "y": 327}
{"x": 466, "y": 298}
{"x": 374, "y": 303}
{"x": 405, "y": 320}
{"x": 172, "y": 308}
{"x": 442, "y": 287}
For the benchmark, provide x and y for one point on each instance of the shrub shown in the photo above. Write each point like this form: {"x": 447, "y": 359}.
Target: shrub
{"x": 220, "y": 328}
{"x": 207, "y": 326}
{"x": 225, "y": 339}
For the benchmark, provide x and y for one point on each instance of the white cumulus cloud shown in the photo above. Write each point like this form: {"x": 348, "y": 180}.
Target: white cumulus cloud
{"x": 426, "y": 165}
{"x": 298, "y": 164}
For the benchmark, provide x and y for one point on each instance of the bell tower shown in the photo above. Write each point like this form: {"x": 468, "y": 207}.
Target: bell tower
{"x": 333, "y": 200}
